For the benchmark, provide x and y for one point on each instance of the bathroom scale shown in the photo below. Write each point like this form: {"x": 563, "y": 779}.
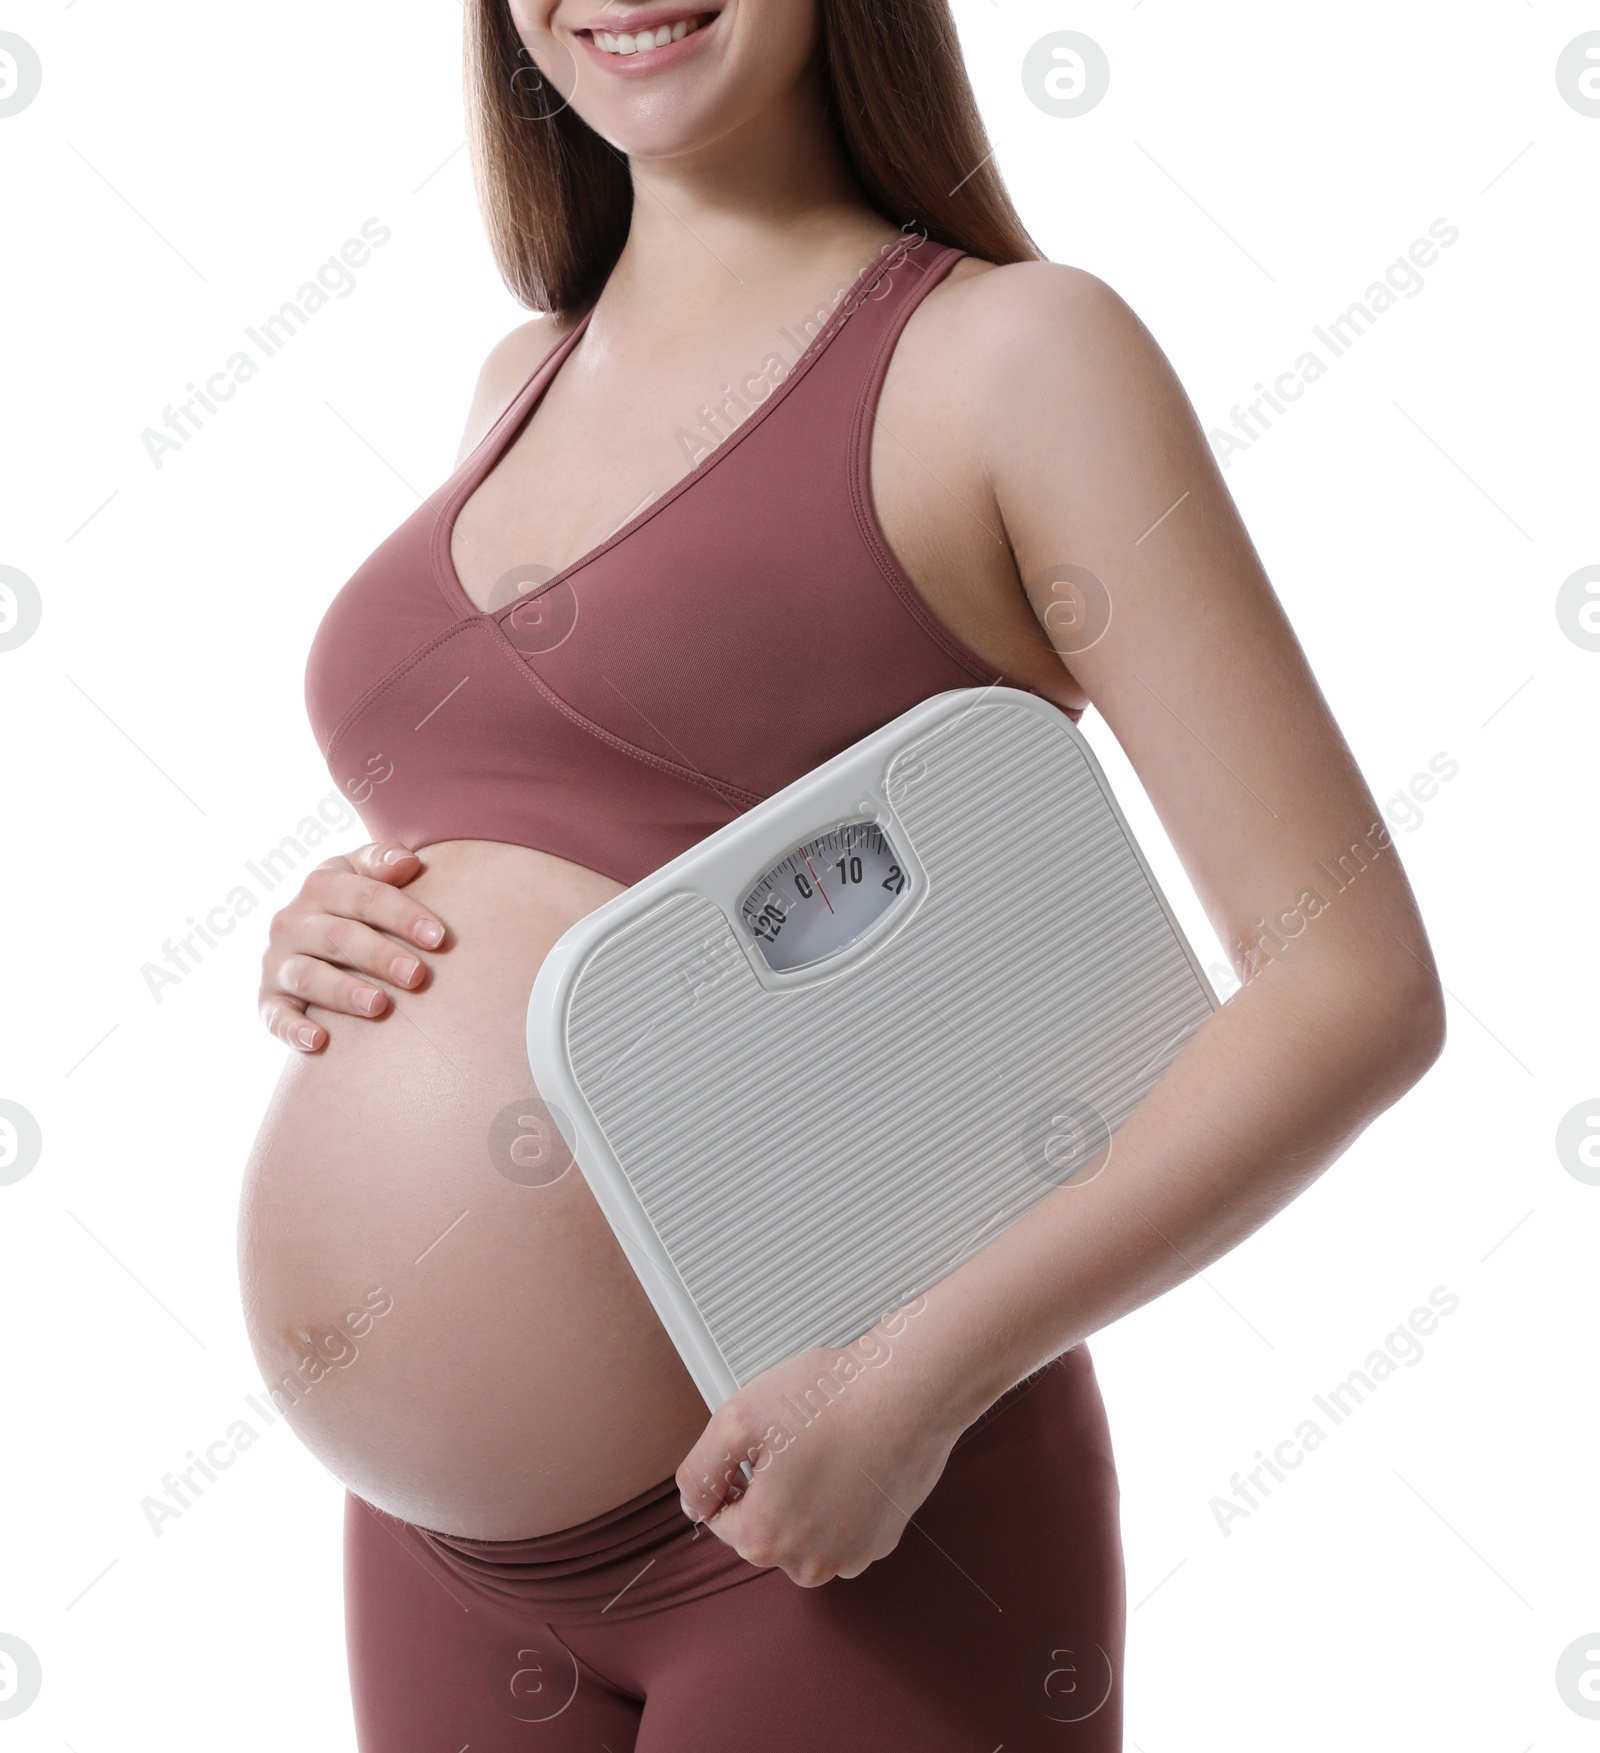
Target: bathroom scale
{"x": 814, "y": 1063}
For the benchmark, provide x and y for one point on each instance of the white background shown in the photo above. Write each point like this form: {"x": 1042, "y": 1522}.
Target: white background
{"x": 1252, "y": 170}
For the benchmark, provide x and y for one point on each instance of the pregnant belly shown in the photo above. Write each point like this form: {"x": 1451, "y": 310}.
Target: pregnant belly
{"x": 432, "y": 1295}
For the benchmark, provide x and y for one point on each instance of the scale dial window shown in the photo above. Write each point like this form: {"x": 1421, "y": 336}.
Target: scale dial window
{"x": 825, "y": 896}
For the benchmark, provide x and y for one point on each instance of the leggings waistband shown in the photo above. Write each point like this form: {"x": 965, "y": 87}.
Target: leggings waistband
{"x": 597, "y": 1557}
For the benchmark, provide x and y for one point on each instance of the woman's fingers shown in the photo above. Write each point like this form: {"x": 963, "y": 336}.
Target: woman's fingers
{"x": 361, "y": 886}
{"x": 387, "y": 860}
{"x": 343, "y": 940}
{"x": 287, "y": 1019}
{"x": 303, "y": 978}
{"x": 309, "y": 980}
{"x": 332, "y": 944}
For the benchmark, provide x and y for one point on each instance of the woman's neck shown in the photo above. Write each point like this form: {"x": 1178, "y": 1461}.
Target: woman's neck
{"x": 764, "y": 211}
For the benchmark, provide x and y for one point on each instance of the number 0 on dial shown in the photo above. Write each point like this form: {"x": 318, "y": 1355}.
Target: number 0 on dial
{"x": 824, "y": 895}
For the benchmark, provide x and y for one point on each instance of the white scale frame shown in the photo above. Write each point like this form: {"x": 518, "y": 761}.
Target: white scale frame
{"x": 788, "y": 1157}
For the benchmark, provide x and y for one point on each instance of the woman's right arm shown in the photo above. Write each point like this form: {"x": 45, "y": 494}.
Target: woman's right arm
{"x": 349, "y": 920}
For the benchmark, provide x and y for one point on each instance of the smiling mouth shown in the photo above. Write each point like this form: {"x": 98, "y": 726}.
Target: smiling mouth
{"x": 624, "y": 43}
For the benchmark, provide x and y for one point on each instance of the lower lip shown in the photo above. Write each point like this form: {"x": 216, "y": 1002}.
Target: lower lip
{"x": 645, "y": 61}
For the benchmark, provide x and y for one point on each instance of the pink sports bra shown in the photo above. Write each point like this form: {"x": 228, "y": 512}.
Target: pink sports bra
{"x": 745, "y": 626}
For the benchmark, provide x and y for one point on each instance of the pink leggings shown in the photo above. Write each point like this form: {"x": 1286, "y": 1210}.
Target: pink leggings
{"x": 997, "y": 1622}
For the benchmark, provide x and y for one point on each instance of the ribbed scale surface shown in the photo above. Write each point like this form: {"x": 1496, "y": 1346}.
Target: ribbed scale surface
{"x": 811, "y": 1159}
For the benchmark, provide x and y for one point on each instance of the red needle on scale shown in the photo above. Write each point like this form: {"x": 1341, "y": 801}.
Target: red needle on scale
{"x": 818, "y": 880}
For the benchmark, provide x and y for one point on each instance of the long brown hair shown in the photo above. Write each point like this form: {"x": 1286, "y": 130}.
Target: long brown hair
{"x": 557, "y": 198}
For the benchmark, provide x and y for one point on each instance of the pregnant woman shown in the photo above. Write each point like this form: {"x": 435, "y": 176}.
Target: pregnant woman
{"x": 805, "y": 432}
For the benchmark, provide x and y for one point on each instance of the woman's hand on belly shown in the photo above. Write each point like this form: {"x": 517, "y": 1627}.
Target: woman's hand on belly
{"x": 842, "y": 1453}
{"x": 518, "y": 1379}
{"x": 348, "y": 920}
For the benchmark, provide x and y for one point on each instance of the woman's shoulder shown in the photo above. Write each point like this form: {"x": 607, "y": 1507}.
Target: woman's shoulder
{"x": 1029, "y": 344}
{"x": 512, "y": 360}
{"x": 994, "y": 311}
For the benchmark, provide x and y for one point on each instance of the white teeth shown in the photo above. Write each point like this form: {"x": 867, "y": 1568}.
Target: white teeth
{"x": 622, "y": 43}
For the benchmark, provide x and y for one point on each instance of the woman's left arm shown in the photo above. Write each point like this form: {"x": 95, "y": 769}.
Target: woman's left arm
{"x": 1095, "y": 460}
